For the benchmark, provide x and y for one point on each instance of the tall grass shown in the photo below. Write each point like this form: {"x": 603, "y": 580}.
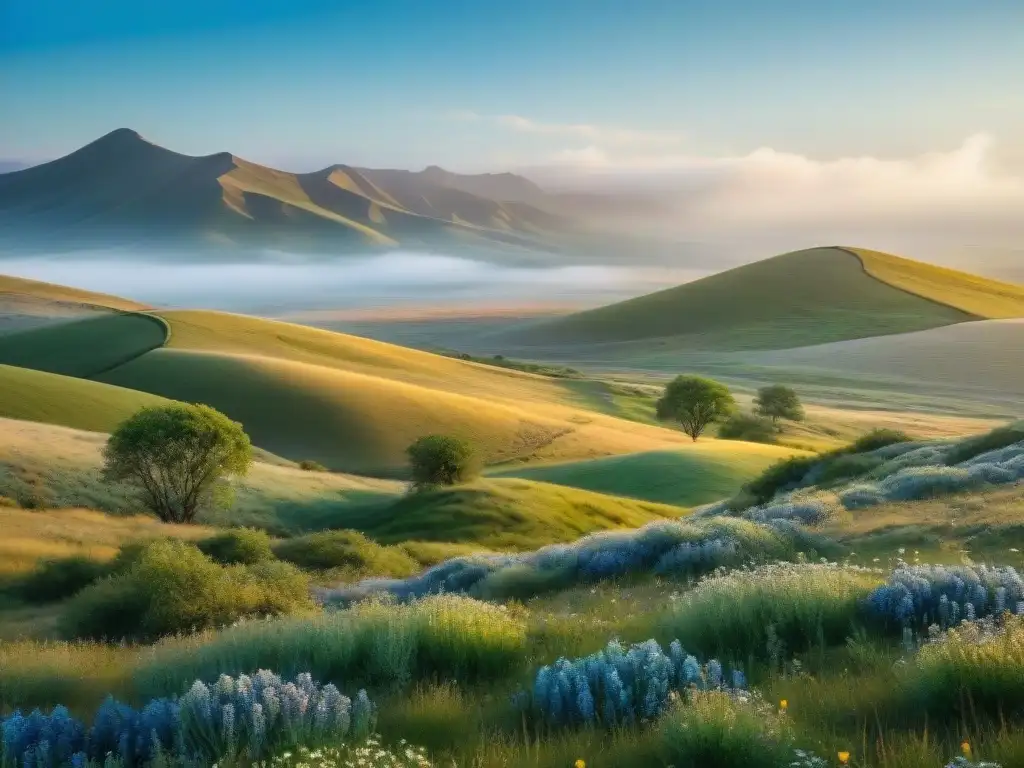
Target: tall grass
{"x": 771, "y": 612}
{"x": 375, "y": 643}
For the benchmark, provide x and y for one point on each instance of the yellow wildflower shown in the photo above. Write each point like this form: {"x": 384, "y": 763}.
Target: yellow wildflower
{"x": 784, "y": 705}
{"x": 965, "y": 747}
{"x": 579, "y": 764}
{"x": 844, "y": 758}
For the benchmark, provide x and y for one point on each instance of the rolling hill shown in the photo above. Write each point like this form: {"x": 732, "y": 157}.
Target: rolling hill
{"x": 28, "y": 304}
{"x": 698, "y": 474}
{"x": 350, "y": 403}
{"x": 797, "y": 299}
{"x": 121, "y": 190}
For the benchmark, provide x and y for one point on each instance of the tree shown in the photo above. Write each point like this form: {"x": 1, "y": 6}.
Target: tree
{"x": 778, "y": 402}
{"x": 176, "y": 455}
{"x": 441, "y": 460}
{"x": 695, "y": 402}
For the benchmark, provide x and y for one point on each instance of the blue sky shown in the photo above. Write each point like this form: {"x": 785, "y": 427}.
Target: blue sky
{"x": 487, "y": 84}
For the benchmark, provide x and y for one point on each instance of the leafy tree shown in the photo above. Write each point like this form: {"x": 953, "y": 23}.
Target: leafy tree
{"x": 778, "y": 401}
{"x": 176, "y": 455}
{"x": 695, "y": 402}
{"x": 441, "y": 460}
{"x": 749, "y": 427}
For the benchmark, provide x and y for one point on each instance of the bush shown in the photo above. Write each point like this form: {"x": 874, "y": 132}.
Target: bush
{"x": 348, "y": 550}
{"x": 1001, "y": 437}
{"x": 441, "y": 460}
{"x": 241, "y": 546}
{"x": 747, "y": 426}
{"x": 847, "y": 467}
{"x": 771, "y": 611}
{"x": 617, "y": 686}
{"x": 781, "y": 476}
{"x": 374, "y": 643}
{"x": 312, "y": 466}
{"x": 173, "y": 587}
{"x": 716, "y": 730}
{"x": 803, "y": 508}
{"x": 877, "y": 439}
{"x": 60, "y": 578}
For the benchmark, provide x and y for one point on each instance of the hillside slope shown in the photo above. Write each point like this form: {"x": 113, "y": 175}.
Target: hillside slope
{"x": 26, "y": 304}
{"x": 796, "y": 299}
{"x": 123, "y": 190}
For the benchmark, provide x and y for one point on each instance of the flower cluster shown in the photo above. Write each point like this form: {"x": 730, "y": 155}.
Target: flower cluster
{"x": 803, "y": 758}
{"x": 668, "y": 546}
{"x": 259, "y": 715}
{"x": 366, "y": 754}
{"x": 921, "y": 595}
{"x": 250, "y": 717}
{"x": 619, "y": 685}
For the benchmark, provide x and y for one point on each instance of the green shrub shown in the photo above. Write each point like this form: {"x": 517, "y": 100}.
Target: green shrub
{"x": 373, "y": 643}
{"x": 990, "y": 441}
{"x": 240, "y": 546}
{"x": 975, "y": 668}
{"x": 441, "y": 460}
{"x": 312, "y": 466}
{"x": 173, "y": 587}
{"x": 714, "y": 730}
{"x": 350, "y": 551}
{"x": 57, "y": 579}
{"x": 846, "y": 467}
{"x": 778, "y": 476}
{"x": 749, "y": 427}
{"x": 771, "y": 612}
{"x": 877, "y": 438}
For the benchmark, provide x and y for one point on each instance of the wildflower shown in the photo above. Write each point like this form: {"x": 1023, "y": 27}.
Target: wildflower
{"x": 844, "y": 758}
{"x": 784, "y": 705}
{"x": 579, "y": 764}
{"x": 965, "y": 747}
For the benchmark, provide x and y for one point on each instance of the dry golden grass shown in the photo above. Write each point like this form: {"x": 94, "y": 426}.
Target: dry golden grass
{"x": 979, "y": 296}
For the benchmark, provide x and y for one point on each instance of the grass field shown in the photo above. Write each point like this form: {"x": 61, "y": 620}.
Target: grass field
{"x": 66, "y": 401}
{"x": 43, "y": 466}
{"x": 84, "y": 348}
{"x": 59, "y": 295}
{"x": 706, "y": 471}
{"x": 796, "y": 299}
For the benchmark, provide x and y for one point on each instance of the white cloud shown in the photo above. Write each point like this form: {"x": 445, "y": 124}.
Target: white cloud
{"x": 610, "y": 135}
{"x": 770, "y": 189}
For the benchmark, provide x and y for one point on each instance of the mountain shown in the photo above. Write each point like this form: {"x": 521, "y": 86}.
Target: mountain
{"x": 806, "y": 297}
{"x": 122, "y": 190}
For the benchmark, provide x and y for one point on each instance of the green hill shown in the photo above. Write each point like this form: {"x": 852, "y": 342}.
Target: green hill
{"x": 796, "y": 299}
{"x": 350, "y": 403}
{"x": 123, "y": 190}
{"x": 701, "y": 473}
{"x": 27, "y": 304}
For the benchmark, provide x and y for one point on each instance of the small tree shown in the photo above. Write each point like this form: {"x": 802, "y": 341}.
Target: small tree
{"x": 778, "y": 402}
{"x": 441, "y": 460}
{"x": 695, "y": 402}
{"x": 175, "y": 455}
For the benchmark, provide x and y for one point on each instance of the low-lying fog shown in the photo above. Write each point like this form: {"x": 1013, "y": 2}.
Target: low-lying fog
{"x": 396, "y": 279}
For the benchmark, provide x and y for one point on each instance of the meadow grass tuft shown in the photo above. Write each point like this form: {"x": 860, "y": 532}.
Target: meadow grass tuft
{"x": 376, "y": 643}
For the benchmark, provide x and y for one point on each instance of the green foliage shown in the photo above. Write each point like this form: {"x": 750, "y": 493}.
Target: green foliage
{"x": 351, "y": 551}
{"x": 771, "y": 612}
{"x": 877, "y": 438}
{"x": 778, "y": 476}
{"x": 1000, "y": 437}
{"x": 778, "y": 401}
{"x": 312, "y": 466}
{"x": 541, "y": 369}
{"x": 172, "y": 587}
{"x": 847, "y": 467}
{"x": 749, "y": 427}
{"x": 176, "y": 455}
{"x": 695, "y": 402}
{"x": 373, "y": 643}
{"x": 441, "y": 460}
{"x": 60, "y": 578}
{"x": 715, "y": 730}
{"x": 240, "y": 546}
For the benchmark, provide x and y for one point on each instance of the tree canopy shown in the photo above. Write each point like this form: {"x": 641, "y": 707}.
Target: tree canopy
{"x": 176, "y": 455}
{"x": 441, "y": 460}
{"x": 778, "y": 401}
{"x": 695, "y": 402}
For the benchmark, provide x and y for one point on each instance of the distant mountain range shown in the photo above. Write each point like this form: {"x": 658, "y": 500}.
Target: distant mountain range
{"x": 123, "y": 191}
